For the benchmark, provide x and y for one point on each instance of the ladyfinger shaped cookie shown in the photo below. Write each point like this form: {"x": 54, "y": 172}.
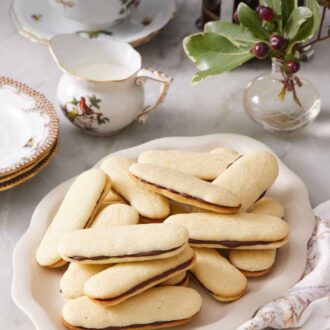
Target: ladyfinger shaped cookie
{"x": 184, "y": 188}
{"x": 218, "y": 276}
{"x": 155, "y": 308}
{"x": 253, "y": 263}
{"x": 249, "y": 177}
{"x": 112, "y": 198}
{"x": 73, "y": 280}
{"x": 234, "y": 231}
{"x": 116, "y": 214}
{"x": 124, "y": 280}
{"x": 227, "y": 153}
{"x": 123, "y": 243}
{"x": 77, "y": 211}
{"x": 147, "y": 203}
{"x": 179, "y": 280}
{"x": 268, "y": 206}
{"x": 203, "y": 165}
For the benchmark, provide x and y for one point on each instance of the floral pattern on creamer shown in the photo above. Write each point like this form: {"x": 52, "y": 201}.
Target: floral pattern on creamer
{"x": 295, "y": 307}
{"x": 83, "y": 112}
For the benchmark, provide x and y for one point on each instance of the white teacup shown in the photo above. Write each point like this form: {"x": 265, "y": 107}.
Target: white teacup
{"x": 102, "y": 88}
{"x": 95, "y": 14}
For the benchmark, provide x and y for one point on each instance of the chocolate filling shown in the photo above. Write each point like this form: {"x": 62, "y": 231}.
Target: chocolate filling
{"x": 229, "y": 244}
{"x": 148, "y": 281}
{"x": 185, "y": 195}
{"x": 134, "y": 326}
{"x": 261, "y": 196}
{"x": 140, "y": 254}
{"x": 253, "y": 271}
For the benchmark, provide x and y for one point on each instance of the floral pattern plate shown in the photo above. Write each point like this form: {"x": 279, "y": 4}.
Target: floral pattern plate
{"x": 37, "y": 21}
{"x": 28, "y": 127}
{"x": 35, "y": 289}
{"x": 29, "y": 172}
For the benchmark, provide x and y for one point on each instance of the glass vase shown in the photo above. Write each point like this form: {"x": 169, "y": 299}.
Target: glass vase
{"x": 280, "y": 109}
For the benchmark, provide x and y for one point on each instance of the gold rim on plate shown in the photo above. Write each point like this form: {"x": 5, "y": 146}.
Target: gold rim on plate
{"x": 44, "y": 106}
{"x": 30, "y": 173}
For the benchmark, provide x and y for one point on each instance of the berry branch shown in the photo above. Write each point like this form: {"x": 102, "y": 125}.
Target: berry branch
{"x": 277, "y": 29}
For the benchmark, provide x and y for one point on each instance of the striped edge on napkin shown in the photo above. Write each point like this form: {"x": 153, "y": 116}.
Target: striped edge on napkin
{"x": 307, "y": 304}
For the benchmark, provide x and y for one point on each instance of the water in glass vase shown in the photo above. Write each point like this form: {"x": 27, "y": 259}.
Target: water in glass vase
{"x": 262, "y": 102}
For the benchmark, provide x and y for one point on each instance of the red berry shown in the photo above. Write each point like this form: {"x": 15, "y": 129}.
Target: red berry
{"x": 293, "y": 66}
{"x": 277, "y": 42}
{"x": 260, "y": 50}
{"x": 265, "y": 13}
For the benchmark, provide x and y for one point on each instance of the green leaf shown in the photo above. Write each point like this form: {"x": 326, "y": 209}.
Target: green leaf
{"x": 230, "y": 64}
{"x": 311, "y": 26}
{"x": 276, "y": 5}
{"x": 251, "y": 20}
{"x": 305, "y": 31}
{"x": 94, "y": 101}
{"x": 214, "y": 54}
{"x": 236, "y": 34}
{"x": 315, "y": 8}
{"x": 287, "y": 8}
{"x": 74, "y": 101}
{"x": 297, "y": 18}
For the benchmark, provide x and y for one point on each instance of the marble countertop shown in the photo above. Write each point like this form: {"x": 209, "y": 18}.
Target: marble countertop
{"x": 214, "y": 106}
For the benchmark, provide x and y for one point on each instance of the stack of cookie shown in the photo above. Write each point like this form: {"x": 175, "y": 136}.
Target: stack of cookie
{"x": 132, "y": 232}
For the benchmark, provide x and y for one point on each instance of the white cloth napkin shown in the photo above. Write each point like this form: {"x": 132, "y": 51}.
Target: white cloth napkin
{"x": 307, "y": 304}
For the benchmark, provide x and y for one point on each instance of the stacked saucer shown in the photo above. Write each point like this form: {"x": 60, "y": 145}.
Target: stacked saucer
{"x": 29, "y": 131}
{"x": 38, "y": 21}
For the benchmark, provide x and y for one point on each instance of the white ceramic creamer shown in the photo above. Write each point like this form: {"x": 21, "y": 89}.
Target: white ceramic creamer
{"x": 102, "y": 87}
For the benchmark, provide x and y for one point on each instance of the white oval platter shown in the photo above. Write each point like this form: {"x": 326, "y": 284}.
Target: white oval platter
{"x": 36, "y": 290}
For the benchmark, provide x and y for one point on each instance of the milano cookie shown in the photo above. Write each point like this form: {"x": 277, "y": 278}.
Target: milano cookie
{"x": 234, "y": 231}
{"x": 112, "y": 198}
{"x": 147, "y": 203}
{"x": 226, "y": 153}
{"x": 124, "y": 280}
{"x": 77, "y": 210}
{"x": 116, "y": 214}
{"x": 268, "y": 206}
{"x": 249, "y": 177}
{"x": 253, "y": 263}
{"x": 73, "y": 280}
{"x": 155, "y": 308}
{"x": 184, "y": 188}
{"x": 123, "y": 243}
{"x": 206, "y": 166}
{"x": 218, "y": 276}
